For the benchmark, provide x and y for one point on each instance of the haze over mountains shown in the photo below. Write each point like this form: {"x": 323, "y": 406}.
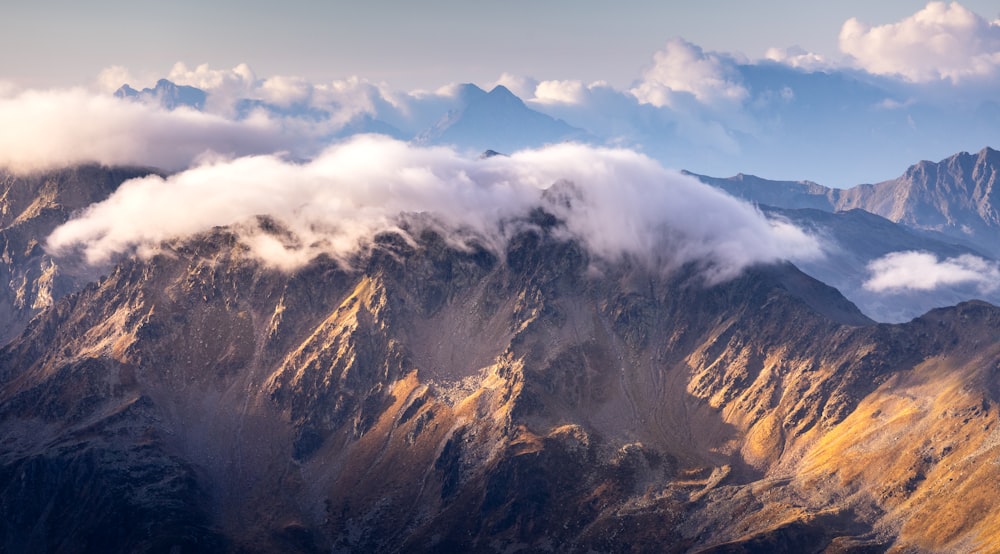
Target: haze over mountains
{"x": 860, "y": 118}
{"x": 942, "y": 250}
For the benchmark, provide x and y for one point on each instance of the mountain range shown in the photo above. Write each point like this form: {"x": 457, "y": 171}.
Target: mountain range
{"x": 957, "y": 197}
{"x": 167, "y": 94}
{"x": 436, "y": 393}
{"x": 763, "y": 117}
{"x": 472, "y": 119}
{"x": 497, "y": 119}
{"x": 946, "y": 208}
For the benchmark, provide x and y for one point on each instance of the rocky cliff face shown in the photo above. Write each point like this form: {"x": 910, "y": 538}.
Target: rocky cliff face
{"x": 957, "y": 196}
{"x": 433, "y": 396}
{"x": 31, "y": 206}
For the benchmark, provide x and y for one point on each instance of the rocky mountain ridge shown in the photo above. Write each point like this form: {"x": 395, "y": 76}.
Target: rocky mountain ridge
{"x": 31, "y": 207}
{"x": 954, "y": 197}
{"x": 945, "y": 210}
{"x": 854, "y": 239}
{"x": 433, "y": 397}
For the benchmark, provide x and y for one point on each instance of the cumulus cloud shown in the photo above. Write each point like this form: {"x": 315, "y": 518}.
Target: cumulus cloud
{"x": 224, "y": 86}
{"x": 339, "y": 101}
{"x": 46, "y": 129}
{"x": 940, "y": 42}
{"x": 562, "y": 92}
{"x": 617, "y": 202}
{"x": 683, "y": 68}
{"x": 923, "y": 271}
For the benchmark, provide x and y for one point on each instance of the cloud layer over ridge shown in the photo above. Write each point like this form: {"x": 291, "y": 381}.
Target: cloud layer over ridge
{"x": 619, "y": 203}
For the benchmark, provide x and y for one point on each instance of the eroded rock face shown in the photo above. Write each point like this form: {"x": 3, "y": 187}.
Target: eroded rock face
{"x": 31, "y": 207}
{"x": 430, "y": 397}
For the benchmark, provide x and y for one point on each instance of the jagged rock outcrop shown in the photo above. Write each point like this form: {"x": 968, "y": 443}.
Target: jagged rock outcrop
{"x": 433, "y": 396}
{"x": 956, "y": 196}
{"x": 31, "y": 206}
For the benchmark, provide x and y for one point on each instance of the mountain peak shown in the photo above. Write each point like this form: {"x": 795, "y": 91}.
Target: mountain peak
{"x": 501, "y": 95}
{"x": 468, "y": 93}
{"x": 126, "y": 91}
{"x": 167, "y": 94}
{"x": 989, "y": 155}
{"x": 501, "y": 90}
{"x": 497, "y": 119}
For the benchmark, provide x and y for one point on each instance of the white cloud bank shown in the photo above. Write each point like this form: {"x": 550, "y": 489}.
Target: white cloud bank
{"x": 620, "y": 203}
{"x": 923, "y": 271}
{"x": 683, "y": 68}
{"x": 48, "y": 129}
{"x": 940, "y": 42}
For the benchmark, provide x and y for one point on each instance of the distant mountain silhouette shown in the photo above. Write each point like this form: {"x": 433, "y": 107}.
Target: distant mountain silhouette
{"x": 167, "y": 94}
{"x": 497, "y": 120}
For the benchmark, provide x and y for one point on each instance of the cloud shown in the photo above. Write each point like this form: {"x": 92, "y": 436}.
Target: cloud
{"x": 798, "y": 58}
{"x": 286, "y": 91}
{"x": 523, "y": 87}
{"x": 683, "y": 68}
{"x": 562, "y": 92}
{"x": 224, "y": 86}
{"x": 940, "y": 42}
{"x": 923, "y": 271}
{"x": 47, "y": 129}
{"x": 615, "y": 201}
{"x": 341, "y": 99}
{"x": 112, "y": 78}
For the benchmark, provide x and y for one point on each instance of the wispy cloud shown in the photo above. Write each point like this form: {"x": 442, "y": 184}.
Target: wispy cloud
{"x": 923, "y": 271}
{"x": 799, "y": 58}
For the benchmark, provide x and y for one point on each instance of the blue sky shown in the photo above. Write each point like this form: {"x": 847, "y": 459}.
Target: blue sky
{"x": 412, "y": 44}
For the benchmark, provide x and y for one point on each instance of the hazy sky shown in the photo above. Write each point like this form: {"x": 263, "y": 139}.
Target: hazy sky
{"x": 411, "y": 44}
{"x": 882, "y": 85}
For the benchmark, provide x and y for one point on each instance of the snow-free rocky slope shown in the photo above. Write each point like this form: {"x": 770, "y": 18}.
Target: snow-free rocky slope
{"x": 434, "y": 398}
{"x": 31, "y": 207}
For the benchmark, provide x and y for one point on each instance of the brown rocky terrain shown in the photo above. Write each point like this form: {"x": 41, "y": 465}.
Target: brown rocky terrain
{"x": 429, "y": 396}
{"x": 31, "y": 206}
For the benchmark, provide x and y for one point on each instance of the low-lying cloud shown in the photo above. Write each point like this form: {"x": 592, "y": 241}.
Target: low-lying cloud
{"x": 58, "y": 128}
{"x": 617, "y": 202}
{"x": 923, "y": 271}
